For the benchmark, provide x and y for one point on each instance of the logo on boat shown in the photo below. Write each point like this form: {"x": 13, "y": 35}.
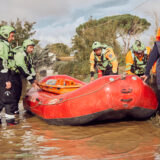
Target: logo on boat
{"x": 53, "y": 101}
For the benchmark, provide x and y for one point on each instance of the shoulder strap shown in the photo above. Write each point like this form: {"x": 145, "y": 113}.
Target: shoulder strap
{"x": 158, "y": 46}
{"x": 17, "y": 48}
{"x": 104, "y": 51}
{"x": 103, "y": 54}
{"x": 145, "y": 59}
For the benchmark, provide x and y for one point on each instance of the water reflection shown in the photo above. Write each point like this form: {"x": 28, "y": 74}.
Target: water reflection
{"x": 34, "y": 139}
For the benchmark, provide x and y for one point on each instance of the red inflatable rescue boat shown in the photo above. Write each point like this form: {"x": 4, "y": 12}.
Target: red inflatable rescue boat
{"x": 108, "y": 98}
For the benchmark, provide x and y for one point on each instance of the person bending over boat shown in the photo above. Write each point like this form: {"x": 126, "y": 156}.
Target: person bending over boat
{"x": 23, "y": 61}
{"x": 103, "y": 59}
{"x": 136, "y": 59}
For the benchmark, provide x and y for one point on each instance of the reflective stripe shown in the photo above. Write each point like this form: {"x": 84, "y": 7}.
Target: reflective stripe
{"x": 113, "y": 59}
{"x": 9, "y": 116}
{"x": 114, "y": 70}
{"x": 4, "y": 70}
{"x": 129, "y": 64}
{"x": 128, "y": 68}
{"x": 29, "y": 77}
{"x": 91, "y": 61}
{"x": 92, "y": 70}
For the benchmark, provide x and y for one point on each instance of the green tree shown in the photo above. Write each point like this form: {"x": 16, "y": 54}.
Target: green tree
{"x": 41, "y": 57}
{"x": 106, "y": 30}
{"x": 128, "y": 27}
{"x": 91, "y": 31}
{"x": 24, "y": 30}
{"x": 59, "y": 49}
{"x": 156, "y": 19}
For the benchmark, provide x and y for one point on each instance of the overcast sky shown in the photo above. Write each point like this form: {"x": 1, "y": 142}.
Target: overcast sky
{"x": 56, "y": 20}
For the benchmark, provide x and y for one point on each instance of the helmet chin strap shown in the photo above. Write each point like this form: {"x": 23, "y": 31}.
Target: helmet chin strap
{"x": 1, "y": 37}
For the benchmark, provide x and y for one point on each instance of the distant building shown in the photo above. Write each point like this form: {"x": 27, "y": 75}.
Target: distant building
{"x": 52, "y": 55}
{"x": 48, "y": 70}
{"x": 72, "y": 54}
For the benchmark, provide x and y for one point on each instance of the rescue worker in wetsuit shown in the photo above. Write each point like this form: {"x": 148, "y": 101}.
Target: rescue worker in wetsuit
{"x": 24, "y": 65}
{"x": 103, "y": 58}
{"x": 136, "y": 59}
{"x": 7, "y": 92}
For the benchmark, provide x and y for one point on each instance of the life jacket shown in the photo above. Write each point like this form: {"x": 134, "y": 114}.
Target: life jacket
{"x": 101, "y": 62}
{"x": 138, "y": 66}
{"x": 11, "y": 60}
{"x": 29, "y": 62}
{"x": 17, "y": 48}
{"x": 27, "y": 58}
{"x": 25, "y": 64}
{"x": 4, "y": 56}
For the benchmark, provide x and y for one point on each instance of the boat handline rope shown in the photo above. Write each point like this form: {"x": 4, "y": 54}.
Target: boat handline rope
{"x": 122, "y": 76}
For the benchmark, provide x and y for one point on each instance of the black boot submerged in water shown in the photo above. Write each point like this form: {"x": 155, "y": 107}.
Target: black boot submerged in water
{"x": 11, "y": 122}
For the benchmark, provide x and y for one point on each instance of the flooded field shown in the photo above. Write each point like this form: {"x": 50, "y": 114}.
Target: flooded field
{"x": 33, "y": 139}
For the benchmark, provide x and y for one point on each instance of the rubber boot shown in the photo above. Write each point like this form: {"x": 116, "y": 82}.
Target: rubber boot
{"x": 11, "y": 122}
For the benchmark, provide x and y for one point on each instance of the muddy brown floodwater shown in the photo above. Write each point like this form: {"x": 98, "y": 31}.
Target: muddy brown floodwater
{"x": 34, "y": 139}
